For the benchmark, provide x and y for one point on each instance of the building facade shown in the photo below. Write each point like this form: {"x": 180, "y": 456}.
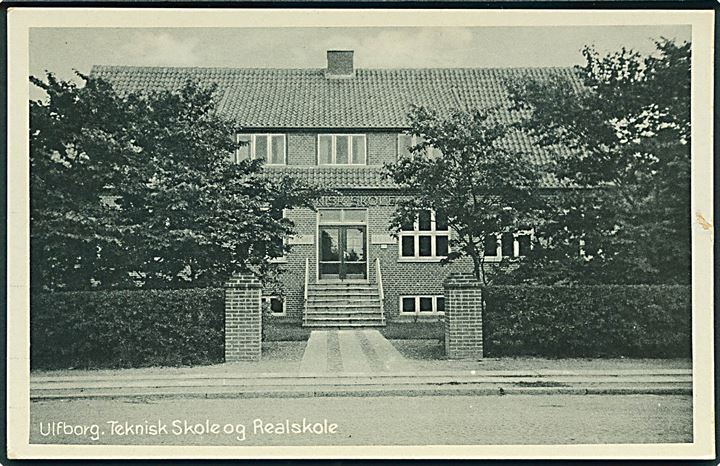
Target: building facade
{"x": 336, "y": 128}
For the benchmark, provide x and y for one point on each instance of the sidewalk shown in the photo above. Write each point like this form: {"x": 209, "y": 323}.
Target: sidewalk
{"x": 363, "y": 363}
{"x": 671, "y": 381}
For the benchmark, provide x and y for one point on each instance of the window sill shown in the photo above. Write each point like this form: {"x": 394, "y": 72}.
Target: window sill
{"x": 408, "y": 318}
{"x": 279, "y": 260}
{"x": 421, "y": 259}
{"x": 496, "y": 260}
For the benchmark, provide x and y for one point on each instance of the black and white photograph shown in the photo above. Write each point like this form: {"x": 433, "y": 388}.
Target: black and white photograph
{"x": 427, "y": 234}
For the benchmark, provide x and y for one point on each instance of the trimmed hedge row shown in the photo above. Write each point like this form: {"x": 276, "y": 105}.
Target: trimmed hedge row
{"x": 136, "y": 328}
{"x": 133, "y": 328}
{"x": 588, "y": 321}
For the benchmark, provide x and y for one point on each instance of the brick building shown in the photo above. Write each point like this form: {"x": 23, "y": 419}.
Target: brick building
{"x": 336, "y": 127}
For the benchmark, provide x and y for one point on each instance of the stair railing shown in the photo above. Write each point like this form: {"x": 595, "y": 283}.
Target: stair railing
{"x": 305, "y": 291}
{"x": 378, "y": 277}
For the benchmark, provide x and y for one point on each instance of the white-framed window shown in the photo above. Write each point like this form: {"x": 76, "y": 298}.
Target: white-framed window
{"x": 275, "y": 304}
{"x": 422, "y": 305}
{"x": 507, "y": 245}
{"x": 271, "y": 148}
{"x": 405, "y": 142}
{"x": 341, "y": 149}
{"x": 428, "y": 238}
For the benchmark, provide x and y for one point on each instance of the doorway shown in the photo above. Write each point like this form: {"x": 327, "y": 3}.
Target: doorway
{"x": 342, "y": 249}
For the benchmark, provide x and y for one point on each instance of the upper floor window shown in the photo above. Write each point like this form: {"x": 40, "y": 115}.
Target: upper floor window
{"x": 407, "y": 141}
{"x": 507, "y": 245}
{"x": 268, "y": 147}
{"x": 342, "y": 149}
{"x": 427, "y": 238}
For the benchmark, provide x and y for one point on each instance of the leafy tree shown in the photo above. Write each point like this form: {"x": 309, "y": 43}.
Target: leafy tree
{"x": 627, "y": 126}
{"x": 138, "y": 189}
{"x": 480, "y": 186}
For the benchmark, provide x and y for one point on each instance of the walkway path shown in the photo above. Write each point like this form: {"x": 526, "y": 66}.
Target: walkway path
{"x": 351, "y": 352}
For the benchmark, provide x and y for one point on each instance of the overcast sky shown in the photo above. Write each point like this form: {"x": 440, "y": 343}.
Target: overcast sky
{"x": 62, "y": 49}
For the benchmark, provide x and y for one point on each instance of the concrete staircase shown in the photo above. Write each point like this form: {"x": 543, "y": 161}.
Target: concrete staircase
{"x": 343, "y": 305}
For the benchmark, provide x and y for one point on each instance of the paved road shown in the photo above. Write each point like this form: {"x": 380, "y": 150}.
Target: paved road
{"x": 470, "y": 420}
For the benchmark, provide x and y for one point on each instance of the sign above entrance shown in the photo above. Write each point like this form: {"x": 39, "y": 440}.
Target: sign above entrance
{"x": 358, "y": 201}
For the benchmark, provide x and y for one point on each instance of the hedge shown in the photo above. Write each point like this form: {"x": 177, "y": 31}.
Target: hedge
{"x": 588, "y": 321}
{"x": 136, "y": 328}
{"x": 133, "y": 328}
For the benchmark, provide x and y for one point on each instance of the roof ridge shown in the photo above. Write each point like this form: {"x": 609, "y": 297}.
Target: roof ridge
{"x": 322, "y": 70}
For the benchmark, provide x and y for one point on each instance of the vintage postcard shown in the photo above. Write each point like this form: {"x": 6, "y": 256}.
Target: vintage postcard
{"x": 273, "y": 233}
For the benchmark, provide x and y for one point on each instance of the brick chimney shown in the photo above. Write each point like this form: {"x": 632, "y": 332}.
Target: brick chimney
{"x": 339, "y": 64}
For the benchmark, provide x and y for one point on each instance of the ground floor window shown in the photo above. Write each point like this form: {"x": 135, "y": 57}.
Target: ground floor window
{"x": 507, "y": 245}
{"x": 427, "y": 238}
{"x": 275, "y": 304}
{"x": 422, "y": 304}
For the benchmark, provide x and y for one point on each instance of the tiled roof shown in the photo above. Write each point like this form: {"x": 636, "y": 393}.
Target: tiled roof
{"x": 372, "y": 99}
{"x": 352, "y": 177}
{"x": 305, "y": 98}
{"x": 348, "y": 177}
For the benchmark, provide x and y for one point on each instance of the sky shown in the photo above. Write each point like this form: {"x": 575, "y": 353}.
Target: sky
{"x": 60, "y": 50}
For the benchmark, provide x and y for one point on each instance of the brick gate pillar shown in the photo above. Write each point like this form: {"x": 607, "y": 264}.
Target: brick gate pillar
{"x": 243, "y": 319}
{"x": 463, "y": 317}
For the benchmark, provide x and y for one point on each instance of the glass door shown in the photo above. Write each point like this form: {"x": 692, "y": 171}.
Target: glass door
{"x": 343, "y": 252}
{"x": 354, "y": 263}
{"x": 329, "y": 263}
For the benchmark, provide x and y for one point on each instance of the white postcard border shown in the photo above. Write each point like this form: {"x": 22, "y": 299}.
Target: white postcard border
{"x": 21, "y": 19}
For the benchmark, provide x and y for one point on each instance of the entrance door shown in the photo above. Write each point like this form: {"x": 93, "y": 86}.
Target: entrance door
{"x": 342, "y": 252}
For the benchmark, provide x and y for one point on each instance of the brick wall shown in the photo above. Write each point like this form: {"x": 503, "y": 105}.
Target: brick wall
{"x": 404, "y": 278}
{"x": 463, "y": 317}
{"x": 381, "y": 148}
{"x": 399, "y": 278}
{"x": 302, "y": 148}
{"x": 243, "y": 319}
{"x": 410, "y": 279}
{"x": 291, "y": 280}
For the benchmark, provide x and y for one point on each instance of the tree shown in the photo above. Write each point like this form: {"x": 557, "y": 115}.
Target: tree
{"x": 627, "y": 126}
{"x": 139, "y": 189}
{"x": 481, "y": 187}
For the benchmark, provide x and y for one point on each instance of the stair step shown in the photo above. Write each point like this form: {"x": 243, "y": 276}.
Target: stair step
{"x": 342, "y": 307}
{"x": 343, "y": 324}
{"x": 344, "y": 299}
{"x": 342, "y": 287}
{"x": 343, "y": 302}
{"x": 343, "y": 310}
{"x": 322, "y": 312}
{"x": 375, "y": 316}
